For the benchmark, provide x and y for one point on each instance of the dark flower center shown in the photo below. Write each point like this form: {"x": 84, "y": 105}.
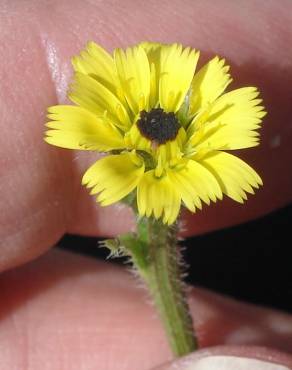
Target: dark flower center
{"x": 158, "y": 126}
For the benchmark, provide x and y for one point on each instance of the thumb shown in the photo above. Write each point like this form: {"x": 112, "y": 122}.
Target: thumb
{"x": 40, "y": 193}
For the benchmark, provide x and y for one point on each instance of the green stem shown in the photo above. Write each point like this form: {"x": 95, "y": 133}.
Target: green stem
{"x": 154, "y": 253}
{"x": 163, "y": 277}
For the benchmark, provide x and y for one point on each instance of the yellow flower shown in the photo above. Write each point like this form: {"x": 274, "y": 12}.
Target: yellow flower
{"x": 166, "y": 129}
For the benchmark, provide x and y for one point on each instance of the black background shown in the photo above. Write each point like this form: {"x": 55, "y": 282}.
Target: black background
{"x": 252, "y": 262}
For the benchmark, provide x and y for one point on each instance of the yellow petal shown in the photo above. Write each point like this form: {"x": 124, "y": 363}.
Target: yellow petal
{"x": 177, "y": 68}
{"x": 76, "y": 128}
{"x": 235, "y": 177}
{"x": 94, "y": 96}
{"x": 186, "y": 190}
{"x": 150, "y": 47}
{"x": 158, "y": 197}
{"x": 230, "y": 122}
{"x": 114, "y": 177}
{"x": 153, "y": 52}
{"x": 197, "y": 182}
{"x": 96, "y": 62}
{"x": 208, "y": 84}
{"x": 134, "y": 75}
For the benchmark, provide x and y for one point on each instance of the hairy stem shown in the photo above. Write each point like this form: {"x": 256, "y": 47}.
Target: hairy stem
{"x": 163, "y": 277}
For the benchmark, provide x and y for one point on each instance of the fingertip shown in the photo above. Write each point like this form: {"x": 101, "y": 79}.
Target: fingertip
{"x": 230, "y": 358}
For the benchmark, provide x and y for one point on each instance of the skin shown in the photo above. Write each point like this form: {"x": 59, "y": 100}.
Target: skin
{"x": 68, "y": 312}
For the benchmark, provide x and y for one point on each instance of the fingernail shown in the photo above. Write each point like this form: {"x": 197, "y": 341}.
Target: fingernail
{"x": 232, "y": 363}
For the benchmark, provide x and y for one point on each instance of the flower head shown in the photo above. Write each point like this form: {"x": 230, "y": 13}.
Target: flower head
{"x": 166, "y": 129}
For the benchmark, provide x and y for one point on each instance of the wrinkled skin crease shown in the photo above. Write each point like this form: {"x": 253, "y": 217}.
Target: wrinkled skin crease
{"x": 41, "y": 197}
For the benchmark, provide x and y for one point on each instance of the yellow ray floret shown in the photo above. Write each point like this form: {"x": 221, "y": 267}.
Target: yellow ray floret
{"x": 77, "y": 128}
{"x": 97, "y": 63}
{"x": 114, "y": 177}
{"x": 235, "y": 177}
{"x": 134, "y": 76}
{"x": 177, "y": 68}
{"x": 230, "y": 122}
{"x": 199, "y": 182}
{"x": 157, "y": 196}
{"x": 98, "y": 99}
{"x": 208, "y": 84}
{"x": 153, "y": 52}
